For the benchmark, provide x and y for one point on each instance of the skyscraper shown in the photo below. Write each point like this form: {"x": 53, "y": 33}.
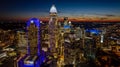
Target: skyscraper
{"x": 22, "y": 41}
{"x": 33, "y": 36}
{"x": 67, "y": 25}
{"x": 32, "y": 58}
{"x": 53, "y": 29}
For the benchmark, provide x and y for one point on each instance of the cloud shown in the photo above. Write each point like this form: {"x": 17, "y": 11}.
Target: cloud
{"x": 103, "y": 18}
{"x": 107, "y": 15}
{"x": 110, "y": 15}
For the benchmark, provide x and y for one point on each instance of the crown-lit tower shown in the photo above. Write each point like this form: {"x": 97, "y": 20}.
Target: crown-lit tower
{"x": 32, "y": 58}
{"x": 33, "y": 33}
{"x": 53, "y": 29}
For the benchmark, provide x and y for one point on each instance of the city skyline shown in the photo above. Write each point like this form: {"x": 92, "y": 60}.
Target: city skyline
{"x": 74, "y": 9}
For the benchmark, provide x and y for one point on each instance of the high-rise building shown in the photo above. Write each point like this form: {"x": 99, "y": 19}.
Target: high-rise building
{"x": 67, "y": 25}
{"x": 33, "y": 32}
{"x": 53, "y": 29}
{"x": 22, "y": 41}
{"x": 32, "y": 58}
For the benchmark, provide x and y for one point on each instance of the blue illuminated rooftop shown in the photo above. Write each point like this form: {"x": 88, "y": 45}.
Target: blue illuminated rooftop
{"x": 66, "y": 26}
{"x": 33, "y": 20}
{"x": 94, "y": 31}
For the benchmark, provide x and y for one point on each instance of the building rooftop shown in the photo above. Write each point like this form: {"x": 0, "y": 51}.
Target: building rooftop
{"x": 53, "y": 9}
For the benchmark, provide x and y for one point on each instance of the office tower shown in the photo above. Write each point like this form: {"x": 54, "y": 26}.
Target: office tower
{"x": 22, "y": 41}
{"x": 67, "y": 25}
{"x": 33, "y": 26}
{"x": 32, "y": 58}
{"x": 53, "y": 29}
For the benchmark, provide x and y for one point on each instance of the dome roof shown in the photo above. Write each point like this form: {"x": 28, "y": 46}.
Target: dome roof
{"x": 33, "y": 20}
{"x": 53, "y": 9}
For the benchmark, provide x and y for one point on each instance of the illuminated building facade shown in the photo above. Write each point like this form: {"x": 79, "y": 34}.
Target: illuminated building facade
{"x": 53, "y": 29}
{"x": 33, "y": 26}
{"x": 22, "y": 41}
{"x": 67, "y": 25}
{"x": 32, "y": 58}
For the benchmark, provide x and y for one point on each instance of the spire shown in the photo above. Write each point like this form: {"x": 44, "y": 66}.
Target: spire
{"x": 53, "y": 9}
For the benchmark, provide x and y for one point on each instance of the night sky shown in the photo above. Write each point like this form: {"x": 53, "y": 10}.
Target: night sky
{"x": 70, "y": 8}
